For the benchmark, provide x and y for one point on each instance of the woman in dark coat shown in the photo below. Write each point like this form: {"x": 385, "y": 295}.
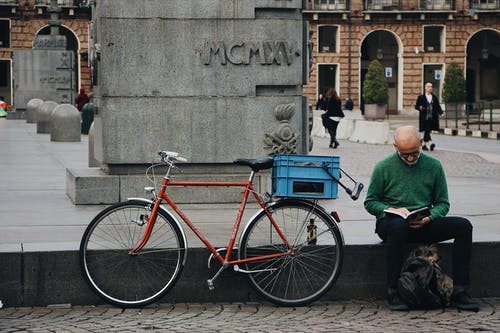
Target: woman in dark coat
{"x": 332, "y": 116}
{"x": 430, "y": 110}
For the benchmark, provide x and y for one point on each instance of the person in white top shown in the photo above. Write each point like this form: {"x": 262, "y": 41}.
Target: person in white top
{"x": 430, "y": 110}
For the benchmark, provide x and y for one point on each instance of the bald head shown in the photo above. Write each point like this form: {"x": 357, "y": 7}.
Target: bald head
{"x": 406, "y": 137}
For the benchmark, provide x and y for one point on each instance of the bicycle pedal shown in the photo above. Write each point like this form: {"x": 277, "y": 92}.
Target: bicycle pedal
{"x": 210, "y": 283}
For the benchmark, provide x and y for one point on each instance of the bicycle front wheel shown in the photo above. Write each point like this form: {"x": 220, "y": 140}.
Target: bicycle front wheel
{"x": 131, "y": 280}
{"x": 314, "y": 263}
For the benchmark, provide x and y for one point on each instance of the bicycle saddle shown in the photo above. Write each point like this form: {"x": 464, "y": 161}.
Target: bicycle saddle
{"x": 255, "y": 164}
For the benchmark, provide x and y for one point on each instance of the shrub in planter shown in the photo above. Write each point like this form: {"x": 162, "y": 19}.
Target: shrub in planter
{"x": 454, "y": 89}
{"x": 375, "y": 91}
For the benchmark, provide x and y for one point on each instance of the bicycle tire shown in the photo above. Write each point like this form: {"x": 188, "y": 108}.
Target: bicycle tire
{"x": 131, "y": 280}
{"x": 307, "y": 274}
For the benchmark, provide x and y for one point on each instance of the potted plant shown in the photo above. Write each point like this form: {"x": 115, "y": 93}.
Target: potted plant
{"x": 454, "y": 88}
{"x": 375, "y": 91}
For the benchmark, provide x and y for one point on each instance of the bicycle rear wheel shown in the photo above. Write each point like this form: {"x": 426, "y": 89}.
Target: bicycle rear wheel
{"x": 314, "y": 264}
{"x": 129, "y": 280}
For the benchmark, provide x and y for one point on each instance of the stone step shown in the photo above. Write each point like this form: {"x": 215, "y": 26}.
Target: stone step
{"x": 45, "y": 278}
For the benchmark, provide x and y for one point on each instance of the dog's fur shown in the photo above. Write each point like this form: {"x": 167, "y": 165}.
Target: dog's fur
{"x": 444, "y": 282}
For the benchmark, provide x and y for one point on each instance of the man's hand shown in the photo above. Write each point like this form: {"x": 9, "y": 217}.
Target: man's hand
{"x": 415, "y": 224}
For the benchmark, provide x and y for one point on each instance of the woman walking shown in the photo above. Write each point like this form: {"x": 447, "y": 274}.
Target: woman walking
{"x": 332, "y": 116}
{"x": 430, "y": 110}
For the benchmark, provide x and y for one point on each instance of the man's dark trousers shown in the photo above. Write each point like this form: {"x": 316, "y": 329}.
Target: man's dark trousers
{"x": 396, "y": 233}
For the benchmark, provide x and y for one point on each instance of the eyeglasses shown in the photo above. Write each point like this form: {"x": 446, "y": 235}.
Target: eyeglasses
{"x": 414, "y": 154}
{"x": 405, "y": 157}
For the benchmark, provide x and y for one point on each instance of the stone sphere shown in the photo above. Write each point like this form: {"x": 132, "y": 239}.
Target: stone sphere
{"x": 43, "y": 114}
{"x": 31, "y": 110}
{"x": 65, "y": 120}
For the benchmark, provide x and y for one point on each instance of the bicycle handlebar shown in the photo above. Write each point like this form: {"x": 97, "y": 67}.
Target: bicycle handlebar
{"x": 171, "y": 156}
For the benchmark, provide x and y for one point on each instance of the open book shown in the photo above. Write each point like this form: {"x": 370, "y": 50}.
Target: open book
{"x": 416, "y": 214}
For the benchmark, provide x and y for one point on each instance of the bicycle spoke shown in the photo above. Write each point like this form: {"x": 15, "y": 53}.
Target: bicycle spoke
{"x": 310, "y": 269}
{"x": 131, "y": 279}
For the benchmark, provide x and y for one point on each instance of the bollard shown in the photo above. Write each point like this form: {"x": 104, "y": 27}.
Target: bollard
{"x": 65, "y": 120}
{"x": 93, "y": 162}
{"x": 44, "y": 111}
{"x": 87, "y": 117}
{"x": 32, "y": 109}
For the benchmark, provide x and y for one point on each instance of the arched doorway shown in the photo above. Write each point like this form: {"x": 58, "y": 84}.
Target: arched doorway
{"x": 383, "y": 46}
{"x": 72, "y": 44}
{"x": 483, "y": 66}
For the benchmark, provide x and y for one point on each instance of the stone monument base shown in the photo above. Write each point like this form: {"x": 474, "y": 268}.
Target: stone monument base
{"x": 91, "y": 186}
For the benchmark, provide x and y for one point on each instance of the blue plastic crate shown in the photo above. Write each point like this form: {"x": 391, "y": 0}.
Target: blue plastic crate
{"x": 303, "y": 176}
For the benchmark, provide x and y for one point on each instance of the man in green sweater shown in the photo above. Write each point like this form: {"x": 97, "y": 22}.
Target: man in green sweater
{"x": 402, "y": 182}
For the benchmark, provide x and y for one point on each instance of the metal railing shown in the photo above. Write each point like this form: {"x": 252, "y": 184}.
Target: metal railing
{"x": 423, "y": 5}
{"x": 437, "y": 4}
{"x": 64, "y": 3}
{"x": 382, "y": 4}
{"x": 485, "y": 4}
{"x": 473, "y": 116}
{"x": 330, "y": 5}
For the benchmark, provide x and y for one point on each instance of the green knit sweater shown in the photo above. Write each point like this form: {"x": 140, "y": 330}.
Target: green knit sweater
{"x": 394, "y": 184}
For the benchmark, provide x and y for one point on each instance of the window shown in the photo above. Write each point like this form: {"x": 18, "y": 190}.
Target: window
{"x": 433, "y": 39}
{"x": 485, "y": 4}
{"x": 327, "y": 39}
{"x": 4, "y": 33}
{"x": 327, "y": 74}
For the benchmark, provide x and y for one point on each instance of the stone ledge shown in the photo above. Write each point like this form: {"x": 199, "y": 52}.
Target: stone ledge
{"x": 353, "y": 127}
{"x": 92, "y": 186}
{"x": 373, "y": 132}
{"x": 43, "y": 278}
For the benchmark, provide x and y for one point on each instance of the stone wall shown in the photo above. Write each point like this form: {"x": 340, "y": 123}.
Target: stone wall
{"x": 203, "y": 78}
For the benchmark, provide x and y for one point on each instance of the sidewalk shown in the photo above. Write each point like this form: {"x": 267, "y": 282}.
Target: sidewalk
{"x": 40, "y": 228}
{"x": 36, "y": 214}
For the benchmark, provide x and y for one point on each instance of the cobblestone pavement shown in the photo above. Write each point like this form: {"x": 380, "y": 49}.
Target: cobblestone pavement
{"x": 349, "y": 316}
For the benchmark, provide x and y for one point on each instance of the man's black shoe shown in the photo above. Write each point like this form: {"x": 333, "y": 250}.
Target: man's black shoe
{"x": 424, "y": 147}
{"x": 394, "y": 303}
{"x": 463, "y": 301}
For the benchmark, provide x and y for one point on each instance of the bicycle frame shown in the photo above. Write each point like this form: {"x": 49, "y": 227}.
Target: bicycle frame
{"x": 247, "y": 185}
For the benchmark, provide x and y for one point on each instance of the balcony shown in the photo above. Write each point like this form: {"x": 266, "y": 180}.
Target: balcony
{"x": 409, "y": 6}
{"x": 437, "y": 5}
{"x": 8, "y": 3}
{"x": 381, "y": 5}
{"x": 485, "y": 4}
{"x": 328, "y": 5}
{"x": 64, "y": 3}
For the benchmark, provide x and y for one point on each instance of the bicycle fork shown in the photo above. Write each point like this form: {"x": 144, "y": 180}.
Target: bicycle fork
{"x": 149, "y": 220}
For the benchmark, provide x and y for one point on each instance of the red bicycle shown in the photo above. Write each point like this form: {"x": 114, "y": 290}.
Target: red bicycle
{"x": 133, "y": 252}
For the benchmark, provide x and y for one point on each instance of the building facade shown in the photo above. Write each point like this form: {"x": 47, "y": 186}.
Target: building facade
{"x": 413, "y": 39}
{"x": 22, "y": 20}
